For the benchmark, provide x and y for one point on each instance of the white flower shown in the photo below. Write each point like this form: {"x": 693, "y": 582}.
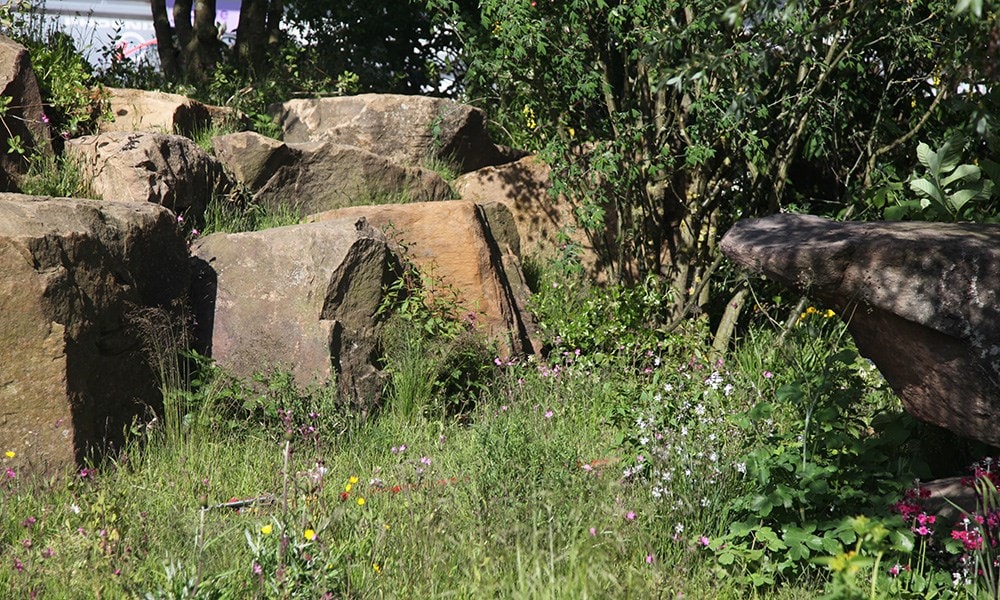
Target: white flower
{"x": 74, "y": 509}
{"x": 741, "y": 467}
{"x": 678, "y": 529}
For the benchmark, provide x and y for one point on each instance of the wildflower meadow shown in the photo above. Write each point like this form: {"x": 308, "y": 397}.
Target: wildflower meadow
{"x": 623, "y": 462}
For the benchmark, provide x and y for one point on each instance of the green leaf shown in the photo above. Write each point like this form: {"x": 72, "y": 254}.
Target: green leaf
{"x": 896, "y": 213}
{"x": 963, "y": 172}
{"x": 959, "y": 199}
{"x": 950, "y": 154}
{"x": 927, "y": 189}
{"x": 926, "y": 156}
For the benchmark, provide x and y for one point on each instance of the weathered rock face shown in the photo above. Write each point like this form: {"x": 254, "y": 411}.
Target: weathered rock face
{"x": 24, "y": 117}
{"x": 406, "y": 129}
{"x": 301, "y": 298}
{"x": 170, "y": 170}
{"x": 453, "y": 241}
{"x": 920, "y": 299}
{"x": 524, "y": 187}
{"x": 317, "y": 176}
{"x": 73, "y": 273}
{"x": 158, "y": 112}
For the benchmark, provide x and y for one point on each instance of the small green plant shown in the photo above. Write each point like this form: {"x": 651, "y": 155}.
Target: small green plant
{"x": 434, "y": 354}
{"x": 237, "y": 212}
{"x": 58, "y": 176}
{"x": 948, "y": 189}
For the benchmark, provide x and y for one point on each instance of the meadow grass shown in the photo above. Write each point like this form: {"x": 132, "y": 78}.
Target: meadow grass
{"x": 524, "y": 498}
{"x": 581, "y": 474}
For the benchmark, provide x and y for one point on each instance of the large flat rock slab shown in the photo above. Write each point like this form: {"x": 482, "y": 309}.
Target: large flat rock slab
{"x": 301, "y": 298}
{"x": 470, "y": 251}
{"x": 74, "y": 274}
{"x": 313, "y": 177}
{"x": 920, "y": 299}
{"x": 149, "y": 167}
{"x": 406, "y": 129}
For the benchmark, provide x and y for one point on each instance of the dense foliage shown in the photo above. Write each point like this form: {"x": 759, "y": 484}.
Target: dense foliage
{"x": 667, "y": 121}
{"x": 632, "y": 458}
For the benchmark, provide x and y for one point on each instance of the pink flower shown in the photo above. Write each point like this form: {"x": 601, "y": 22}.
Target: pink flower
{"x": 649, "y": 559}
{"x": 548, "y": 414}
{"x": 768, "y": 375}
{"x": 630, "y": 515}
{"x": 593, "y": 531}
{"x": 704, "y": 541}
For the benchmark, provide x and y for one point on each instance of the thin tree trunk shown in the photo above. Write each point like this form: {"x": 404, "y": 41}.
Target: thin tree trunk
{"x": 731, "y": 316}
{"x": 205, "y": 47}
{"x": 166, "y": 47}
{"x": 250, "y": 34}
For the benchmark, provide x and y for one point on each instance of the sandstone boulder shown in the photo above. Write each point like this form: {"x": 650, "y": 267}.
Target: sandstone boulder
{"x": 545, "y": 222}
{"x": 920, "y": 299}
{"x": 169, "y": 170}
{"x": 73, "y": 274}
{"x": 159, "y": 112}
{"x": 301, "y": 298}
{"x": 406, "y": 129}
{"x": 316, "y": 176}
{"x": 453, "y": 241}
{"x": 24, "y": 118}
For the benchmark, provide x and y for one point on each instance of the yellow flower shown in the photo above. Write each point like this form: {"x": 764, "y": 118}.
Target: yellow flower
{"x": 10, "y": 454}
{"x": 376, "y": 568}
{"x": 267, "y": 529}
{"x": 361, "y": 501}
{"x": 572, "y": 133}
{"x": 309, "y": 534}
{"x": 829, "y": 314}
{"x": 353, "y": 479}
{"x": 348, "y": 487}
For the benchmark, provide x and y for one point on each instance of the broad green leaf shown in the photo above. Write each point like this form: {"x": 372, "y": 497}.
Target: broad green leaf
{"x": 926, "y": 156}
{"x": 962, "y": 172}
{"x": 950, "y": 154}
{"x": 959, "y": 199}
{"x": 927, "y": 189}
{"x": 896, "y": 213}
